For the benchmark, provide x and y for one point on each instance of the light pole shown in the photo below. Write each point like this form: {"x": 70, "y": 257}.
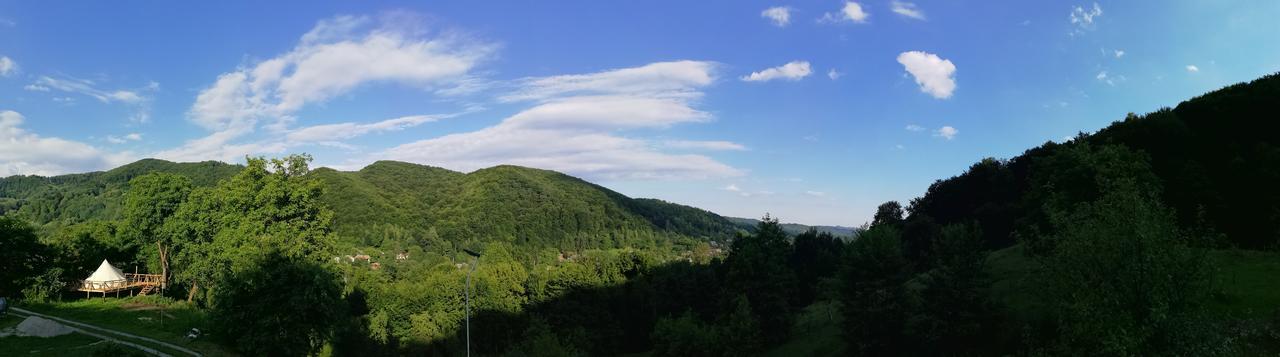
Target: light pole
{"x": 476, "y": 263}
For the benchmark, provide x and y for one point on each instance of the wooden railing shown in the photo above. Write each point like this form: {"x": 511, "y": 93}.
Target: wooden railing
{"x": 144, "y": 279}
{"x": 130, "y": 281}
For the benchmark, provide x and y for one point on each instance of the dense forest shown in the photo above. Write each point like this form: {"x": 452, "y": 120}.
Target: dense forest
{"x": 1129, "y": 241}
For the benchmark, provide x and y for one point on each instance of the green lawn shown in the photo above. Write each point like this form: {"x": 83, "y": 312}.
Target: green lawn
{"x": 1247, "y": 283}
{"x": 66, "y": 345}
{"x": 149, "y": 316}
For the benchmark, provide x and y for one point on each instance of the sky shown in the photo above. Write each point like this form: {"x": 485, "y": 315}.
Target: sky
{"x": 812, "y": 111}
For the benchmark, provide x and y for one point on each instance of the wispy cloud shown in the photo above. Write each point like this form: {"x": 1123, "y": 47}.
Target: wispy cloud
{"x": 7, "y": 66}
{"x": 907, "y": 9}
{"x": 779, "y": 16}
{"x": 338, "y": 55}
{"x": 913, "y": 127}
{"x": 712, "y": 145}
{"x": 946, "y": 132}
{"x": 850, "y": 12}
{"x": 573, "y": 124}
{"x": 792, "y": 71}
{"x": 1192, "y": 68}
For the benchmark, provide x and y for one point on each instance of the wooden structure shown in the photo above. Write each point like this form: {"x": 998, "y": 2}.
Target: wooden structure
{"x": 146, "y": 282}
{"x": 108, "y": 279}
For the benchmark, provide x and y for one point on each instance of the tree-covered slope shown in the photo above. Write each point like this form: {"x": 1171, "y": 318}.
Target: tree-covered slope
{"x": 1215, "y": 158}
{"x": 394, "y": 202}
{"x": 70, "y": 199}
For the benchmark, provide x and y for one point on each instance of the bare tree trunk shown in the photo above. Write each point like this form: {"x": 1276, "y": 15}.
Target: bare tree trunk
{"x": 192, "y": 294}
{"x": 164, "y": 266}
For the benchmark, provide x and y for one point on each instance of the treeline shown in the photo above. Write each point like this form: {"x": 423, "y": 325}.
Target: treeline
{"x": 1214, "y": 159}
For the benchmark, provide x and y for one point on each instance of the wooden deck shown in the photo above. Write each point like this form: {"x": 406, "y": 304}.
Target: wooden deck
{"x": 146, "y": 282}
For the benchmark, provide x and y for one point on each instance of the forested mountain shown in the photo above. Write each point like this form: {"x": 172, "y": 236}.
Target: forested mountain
{"x": 74, "y": 198}
{"x": 1214, "y": 159}
{"x": 395, "y": 202}
{"x": 390, "y": 200}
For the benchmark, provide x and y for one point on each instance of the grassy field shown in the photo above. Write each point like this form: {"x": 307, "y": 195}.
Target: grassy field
{"x": 149, "y": 316}
{"x": 66, "y": 345}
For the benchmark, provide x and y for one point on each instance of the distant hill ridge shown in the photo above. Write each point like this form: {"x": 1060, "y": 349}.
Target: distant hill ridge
{"x": 404, "y": 201}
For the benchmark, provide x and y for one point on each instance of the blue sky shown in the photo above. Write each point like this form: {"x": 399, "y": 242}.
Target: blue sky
{"x": 813, "y": 111}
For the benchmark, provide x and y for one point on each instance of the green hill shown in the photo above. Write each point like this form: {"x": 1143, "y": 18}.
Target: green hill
{"x": 394, "y": 202}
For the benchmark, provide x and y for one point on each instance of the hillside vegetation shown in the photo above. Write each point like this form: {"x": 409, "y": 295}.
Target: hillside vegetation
{"x": 397, "y": 205}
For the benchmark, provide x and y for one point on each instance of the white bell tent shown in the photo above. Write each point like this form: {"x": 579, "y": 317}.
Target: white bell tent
{"x": 106, "y": 278}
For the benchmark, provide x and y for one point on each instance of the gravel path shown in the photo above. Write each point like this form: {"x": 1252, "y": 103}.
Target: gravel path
{"x": 102, "y": 332}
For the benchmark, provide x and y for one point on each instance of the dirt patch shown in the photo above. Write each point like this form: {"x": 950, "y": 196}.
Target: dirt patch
{"x": 137, "y": 306}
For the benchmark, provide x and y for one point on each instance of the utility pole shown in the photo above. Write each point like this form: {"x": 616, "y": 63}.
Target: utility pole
{"x": 475, "y": 263}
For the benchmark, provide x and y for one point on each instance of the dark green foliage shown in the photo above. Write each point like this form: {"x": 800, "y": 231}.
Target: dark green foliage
{"x": 888, "y": 213}
{"x": 758, "y": 269}
{"x": 21, "y": 255}
{"x": 685, "y": 336}
{"x": 1120, "y": 277}
{"x": 876, "y": 302}
{"x": 277, "y": 306}
{"x": 954, "y": 310}
{"x": 1213, "y": 156}
{"x": 815, "y": 257}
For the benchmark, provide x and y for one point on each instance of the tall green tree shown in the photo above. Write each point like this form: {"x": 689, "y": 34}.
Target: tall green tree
{"x": 21, "y": 255}
{"x": 278, "y": 305}
{"x": 269, "y": 206}
{"x": 151, "y": 200}
{"x": 758, "y": 269}
{"x": 876, "y": 305}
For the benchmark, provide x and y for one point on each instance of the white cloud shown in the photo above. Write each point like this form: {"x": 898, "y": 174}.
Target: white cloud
{"x": 792, "y": 71}
{"x": 714, "y": 145}
{"x": 946, "y": 132}
{"x": 22, "y": 152}
{"x": 934, "y": 74}
{"x": 851, "y": 11}
{"x": 732, "y": 188}
{"x": 913, "y": 127}
{"x": 816, "y": 193}
{"x": 780, "y": 16}
{"x": 123, "y": 139}
{"x": 335, "y": 57}
{"x": 340, "y": 131}
{"x": 135, "y": 98}
{"x": 7, "y": 66}
{"x": 1102, "y": 76}
{"x": 1083, "y": 18}
{"x": 661, "y": 79}
{"x": 87, "y": 87}
{"x": 833, "y": 74}
{"x": 1119, "y": 53}
{"x": 1192, "y": 68}
{"x": 907, "y": 9}
{"x": 572, "y": 127}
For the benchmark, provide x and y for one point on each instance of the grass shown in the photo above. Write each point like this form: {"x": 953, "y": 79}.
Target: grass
{"x": 1246, "y": 283}
{"x": 155, "y": 317}
{"x": 66, "y": 345}
{"x": 816, "y": 333}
